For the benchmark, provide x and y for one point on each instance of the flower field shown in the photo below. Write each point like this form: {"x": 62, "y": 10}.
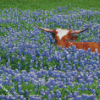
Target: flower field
{"x": 32, "y": 67}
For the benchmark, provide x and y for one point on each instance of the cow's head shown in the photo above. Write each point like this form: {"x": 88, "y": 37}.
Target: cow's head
{"x": 69, "y": 34}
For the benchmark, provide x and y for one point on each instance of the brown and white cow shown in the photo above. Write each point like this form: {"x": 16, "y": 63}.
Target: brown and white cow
{"x": 62, "y": 36}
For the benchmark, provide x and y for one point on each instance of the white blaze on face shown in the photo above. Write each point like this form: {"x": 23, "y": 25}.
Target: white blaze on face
{"x": 61, "y": 32}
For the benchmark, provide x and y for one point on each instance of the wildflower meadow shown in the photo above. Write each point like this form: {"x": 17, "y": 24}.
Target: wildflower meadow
{"x": 32, "y": 67}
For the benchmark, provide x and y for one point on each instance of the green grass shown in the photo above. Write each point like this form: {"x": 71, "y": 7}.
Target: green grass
{"x": 49, "y": 4}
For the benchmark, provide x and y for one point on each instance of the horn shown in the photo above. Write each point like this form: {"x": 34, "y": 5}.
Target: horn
{"x": 45, "y": 29}
{"x": 79, "y": 31}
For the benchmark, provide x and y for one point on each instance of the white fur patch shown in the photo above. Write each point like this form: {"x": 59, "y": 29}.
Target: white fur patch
{"x": 62, "y": 32}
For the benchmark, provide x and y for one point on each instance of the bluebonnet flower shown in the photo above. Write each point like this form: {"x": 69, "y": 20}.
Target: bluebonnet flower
{"x": 49, "y": 97}
{"x": 15, "y": 95}
{"x": 12, "y": 89}
{"x": 58, "y": 93}
{"x": 19, "y": 88}
{"x": 98, "y": 87}
{"x": 35, "y": 90}
{"x": 42, "y": 92}
{"x": 2, "y": 96}
{"x": 0, "y": 59}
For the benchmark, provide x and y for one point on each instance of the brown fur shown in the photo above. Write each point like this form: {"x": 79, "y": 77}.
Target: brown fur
{"x": 69, "y": 36}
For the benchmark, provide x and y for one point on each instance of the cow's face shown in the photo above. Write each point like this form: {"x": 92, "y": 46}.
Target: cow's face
{"x": 63, "y": 33}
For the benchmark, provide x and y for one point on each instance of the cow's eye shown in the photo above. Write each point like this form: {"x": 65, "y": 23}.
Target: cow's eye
{"x": 71, "y": 37}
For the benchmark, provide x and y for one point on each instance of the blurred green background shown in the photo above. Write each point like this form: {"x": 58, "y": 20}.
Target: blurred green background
{"x": 49, "y": 4}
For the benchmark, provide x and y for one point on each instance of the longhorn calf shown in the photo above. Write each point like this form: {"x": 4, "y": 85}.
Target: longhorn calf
{"x": 61, "y": 35}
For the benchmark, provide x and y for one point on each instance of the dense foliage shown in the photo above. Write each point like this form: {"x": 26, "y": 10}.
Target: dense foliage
{"x": 32, "y": 67}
